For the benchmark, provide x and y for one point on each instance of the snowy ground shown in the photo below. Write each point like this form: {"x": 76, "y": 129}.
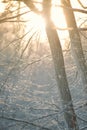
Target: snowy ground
{"x": 29, "y": 98}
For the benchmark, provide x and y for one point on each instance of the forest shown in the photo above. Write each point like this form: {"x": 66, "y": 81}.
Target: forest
{"x": 43, "y": 64}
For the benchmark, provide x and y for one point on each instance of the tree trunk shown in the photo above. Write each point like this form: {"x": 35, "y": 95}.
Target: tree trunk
{"x": 58, "y": 60}
{"x": 76, "y": 46}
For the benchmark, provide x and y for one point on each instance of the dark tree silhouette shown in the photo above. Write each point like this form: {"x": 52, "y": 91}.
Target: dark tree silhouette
{"x": 76, "y": 46}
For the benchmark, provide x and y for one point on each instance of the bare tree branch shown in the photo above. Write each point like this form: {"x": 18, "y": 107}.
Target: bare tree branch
{"x": 14, "y": 41}
{"x": 36, "y": 61}
{"x": 25, "y": 122}
{"x": 31, "y": 5}
{"x": 85, "y": 7}
{"x": 12, "y": 17}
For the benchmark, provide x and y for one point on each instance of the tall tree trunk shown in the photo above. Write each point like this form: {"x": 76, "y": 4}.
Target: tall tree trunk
{"x": 75, "y": 42}
{"x": 58, "y": 60}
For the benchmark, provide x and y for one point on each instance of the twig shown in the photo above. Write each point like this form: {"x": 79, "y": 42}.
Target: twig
{"x": 36, "y": 61}
{"x": 4, "y": 19}
{"x": 24, "y": 121}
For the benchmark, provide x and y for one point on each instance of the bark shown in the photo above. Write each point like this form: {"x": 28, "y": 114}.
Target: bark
{"x": 58, "y": 60}
{"x": 76, "y": 46}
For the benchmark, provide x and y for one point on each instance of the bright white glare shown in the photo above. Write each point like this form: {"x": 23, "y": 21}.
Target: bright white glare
{"x": 36, "y": 21}
{"x": 58, "y": 18}
{"x": 2, "y": 7}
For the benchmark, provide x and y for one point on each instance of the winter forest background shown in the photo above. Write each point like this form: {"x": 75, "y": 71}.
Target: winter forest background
{"x": 43, "y": 65}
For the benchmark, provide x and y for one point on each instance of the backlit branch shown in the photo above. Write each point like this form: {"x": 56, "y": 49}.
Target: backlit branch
{"x": 31, "y": 5}
{"x": 85, "y": 7}
{"x": 12, "y": 17}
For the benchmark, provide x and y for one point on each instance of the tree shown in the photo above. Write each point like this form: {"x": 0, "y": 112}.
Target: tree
{"x": 58, "y": 60}
{"x": 76, "y": 46}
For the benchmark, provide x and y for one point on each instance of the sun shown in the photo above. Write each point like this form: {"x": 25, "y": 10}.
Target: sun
{"x": 38, "y": 22}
